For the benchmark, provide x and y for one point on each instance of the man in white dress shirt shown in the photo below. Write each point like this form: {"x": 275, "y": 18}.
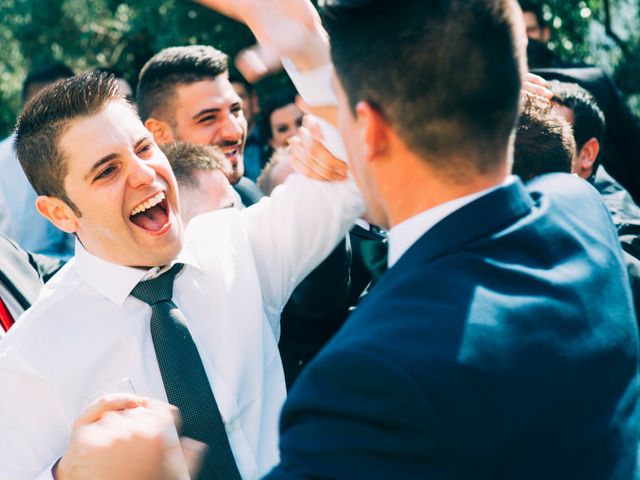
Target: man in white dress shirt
{"x": 501, "y": 308}
{"x": 109, "y": 184}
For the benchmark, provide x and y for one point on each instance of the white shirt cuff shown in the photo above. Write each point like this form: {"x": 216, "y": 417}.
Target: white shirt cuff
{"x": 316, "y": 90}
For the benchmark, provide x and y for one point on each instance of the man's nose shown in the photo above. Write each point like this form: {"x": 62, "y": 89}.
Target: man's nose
{"x": 233, "y": 127}
{"x": 140, "y": 173}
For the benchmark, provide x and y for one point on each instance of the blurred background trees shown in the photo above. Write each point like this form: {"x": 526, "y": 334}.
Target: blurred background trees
{"x": 85, "y": 34}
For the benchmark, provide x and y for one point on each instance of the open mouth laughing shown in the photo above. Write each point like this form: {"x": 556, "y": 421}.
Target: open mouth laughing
{"x": 152, "y": 214}
{"x": 232, "y": 152}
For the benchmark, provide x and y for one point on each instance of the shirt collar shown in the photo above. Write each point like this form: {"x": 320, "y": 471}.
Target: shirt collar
{"x": 406, "y": 233}
{"x": 115, "y": 281}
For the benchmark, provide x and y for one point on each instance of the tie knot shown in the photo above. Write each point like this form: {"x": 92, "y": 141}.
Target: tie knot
{"x": 159, "y": 289}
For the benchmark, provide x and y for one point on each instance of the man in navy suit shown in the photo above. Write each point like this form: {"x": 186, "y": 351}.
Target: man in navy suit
{"x": 501, "y": 342}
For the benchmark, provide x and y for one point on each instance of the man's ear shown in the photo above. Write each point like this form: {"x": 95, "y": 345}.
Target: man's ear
{"x": 546, "y": 34}
{"x": 374, "y": 131}
{"x": 161, "y": 130}
{"x": 587, "y": 157}
{"x": 58, "y": 213}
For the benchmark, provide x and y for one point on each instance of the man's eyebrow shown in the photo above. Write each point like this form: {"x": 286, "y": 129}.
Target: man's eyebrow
{"x": 205, "y": 111}
{"x": 111, "y": 156}
{"x": 99, "y": 163}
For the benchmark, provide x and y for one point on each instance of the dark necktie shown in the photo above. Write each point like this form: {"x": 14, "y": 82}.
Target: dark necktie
{"x": 6, "y": 319}
{"x": 184, "y": 378}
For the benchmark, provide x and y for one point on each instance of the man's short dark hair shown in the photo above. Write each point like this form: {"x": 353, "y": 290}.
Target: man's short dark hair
{"x": 536, "y": 9}
{"x": 445, "y": 74}
{"x": 188, "y": 158}
{"x": 276, "y": 100}
{"x": 47, "y": 117}
{"x": 171, "y": 67}
{"x": 588, "y": 119}
{"x": 544, "y": 141}
{"x": 44, "y": 75}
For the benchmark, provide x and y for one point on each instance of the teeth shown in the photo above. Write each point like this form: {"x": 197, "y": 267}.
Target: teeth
{"x": 152, "y": 202}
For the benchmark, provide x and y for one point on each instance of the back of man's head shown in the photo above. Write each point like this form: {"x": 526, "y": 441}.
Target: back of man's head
{"x": 588, "y": 119}
{"x": 544, "y": 141}
{"x": 444, "y": 74}
{"x": 47, "y": 117}
{"x": 171, "y": 67}
{"x": 187, "y": 159}
{"x": 41, "y": 77}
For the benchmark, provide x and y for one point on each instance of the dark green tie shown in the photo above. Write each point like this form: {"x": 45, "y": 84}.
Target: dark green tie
{"x": 184, "y": 378}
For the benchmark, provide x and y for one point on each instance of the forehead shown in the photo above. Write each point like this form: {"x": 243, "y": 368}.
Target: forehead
{"x": 564, "y": 111}
{"x": 287, "y": 113}
{"x": 114, "y": 128}
{"x": 214, "y": 93}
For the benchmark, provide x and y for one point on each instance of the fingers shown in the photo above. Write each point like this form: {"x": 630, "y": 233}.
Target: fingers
{"x": 192, "y": 451}
{"x": 255, "y": 63}
{"x": 327, "y": 113}
{"x": 312, "y": 159}
{"x": 536, "y": 85}
{"x": 109, "y": 403}
{"x": 230, "y": 8}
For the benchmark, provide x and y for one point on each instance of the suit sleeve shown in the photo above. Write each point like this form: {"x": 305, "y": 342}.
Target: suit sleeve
{"x": 295, "y": 229}
{"x": 372, "y": 422}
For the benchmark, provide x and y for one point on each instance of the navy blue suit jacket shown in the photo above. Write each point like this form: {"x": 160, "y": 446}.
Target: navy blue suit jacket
{"x": 501, "y": 345}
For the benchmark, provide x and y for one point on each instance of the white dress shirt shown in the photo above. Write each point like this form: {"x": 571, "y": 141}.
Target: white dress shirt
{"x": 86, "y": 336}
{"x": 405, "y": 234}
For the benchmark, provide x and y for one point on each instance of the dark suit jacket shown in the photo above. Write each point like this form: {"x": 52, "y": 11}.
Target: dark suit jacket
{"x": 502, "y": 345}
{"x": 24, "y": 273}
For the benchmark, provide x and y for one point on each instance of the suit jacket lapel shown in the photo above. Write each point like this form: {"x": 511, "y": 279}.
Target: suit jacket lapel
{"x": 479, "y": 219}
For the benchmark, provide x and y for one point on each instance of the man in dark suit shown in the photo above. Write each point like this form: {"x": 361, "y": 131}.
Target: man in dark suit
{"x": 22, "y": 275}
{"x": 501, "y": 342}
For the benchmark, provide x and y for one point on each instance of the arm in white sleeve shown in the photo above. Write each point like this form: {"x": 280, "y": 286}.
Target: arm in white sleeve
{"x": 294, "y": 230}
{"x": 316, "y": 90}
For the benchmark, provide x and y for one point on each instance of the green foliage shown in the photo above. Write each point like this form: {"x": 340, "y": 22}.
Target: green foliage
{"x": 85, "y": 34}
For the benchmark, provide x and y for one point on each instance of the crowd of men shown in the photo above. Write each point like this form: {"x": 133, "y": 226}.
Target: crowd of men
{"x": 422, "y": 262}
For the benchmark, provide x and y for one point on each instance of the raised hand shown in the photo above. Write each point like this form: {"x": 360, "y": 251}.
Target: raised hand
{"x": 292, "y": 28}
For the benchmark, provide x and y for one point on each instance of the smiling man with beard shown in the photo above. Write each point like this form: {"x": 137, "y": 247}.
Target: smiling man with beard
{"x": 184, "y": 94}
{"x": 114, "y": 320}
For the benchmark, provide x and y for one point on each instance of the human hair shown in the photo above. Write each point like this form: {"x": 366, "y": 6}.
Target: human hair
{"x": 588, "y": 119}
{"x": 44, "y": 75}
{"x": 47, "y": 117}
{"x": 237, "y": 78}
{"x": 265, "y": 180}
{"x": 278, "y": 99}
{"x": 544, "y": 141}
{"x": 188, "y": 158}
{"x": 536, "y": 9}
{"x": 445, "y": 75}
{"x": 171, "y": 67}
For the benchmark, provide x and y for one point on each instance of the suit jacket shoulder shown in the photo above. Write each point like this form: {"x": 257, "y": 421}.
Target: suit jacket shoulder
{"x": 468, "y": 358}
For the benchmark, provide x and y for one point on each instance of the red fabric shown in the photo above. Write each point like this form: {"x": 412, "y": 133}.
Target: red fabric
{"x": 6, "y": 320}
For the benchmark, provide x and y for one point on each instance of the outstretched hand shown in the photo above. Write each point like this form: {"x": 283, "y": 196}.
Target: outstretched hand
{"x": 292, "y": 28}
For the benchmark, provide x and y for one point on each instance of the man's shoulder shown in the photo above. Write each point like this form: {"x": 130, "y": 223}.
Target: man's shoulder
{"x": 44, "y": 317}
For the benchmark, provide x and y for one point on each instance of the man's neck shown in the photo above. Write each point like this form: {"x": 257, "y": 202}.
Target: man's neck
{"x": 417, "y": 188}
